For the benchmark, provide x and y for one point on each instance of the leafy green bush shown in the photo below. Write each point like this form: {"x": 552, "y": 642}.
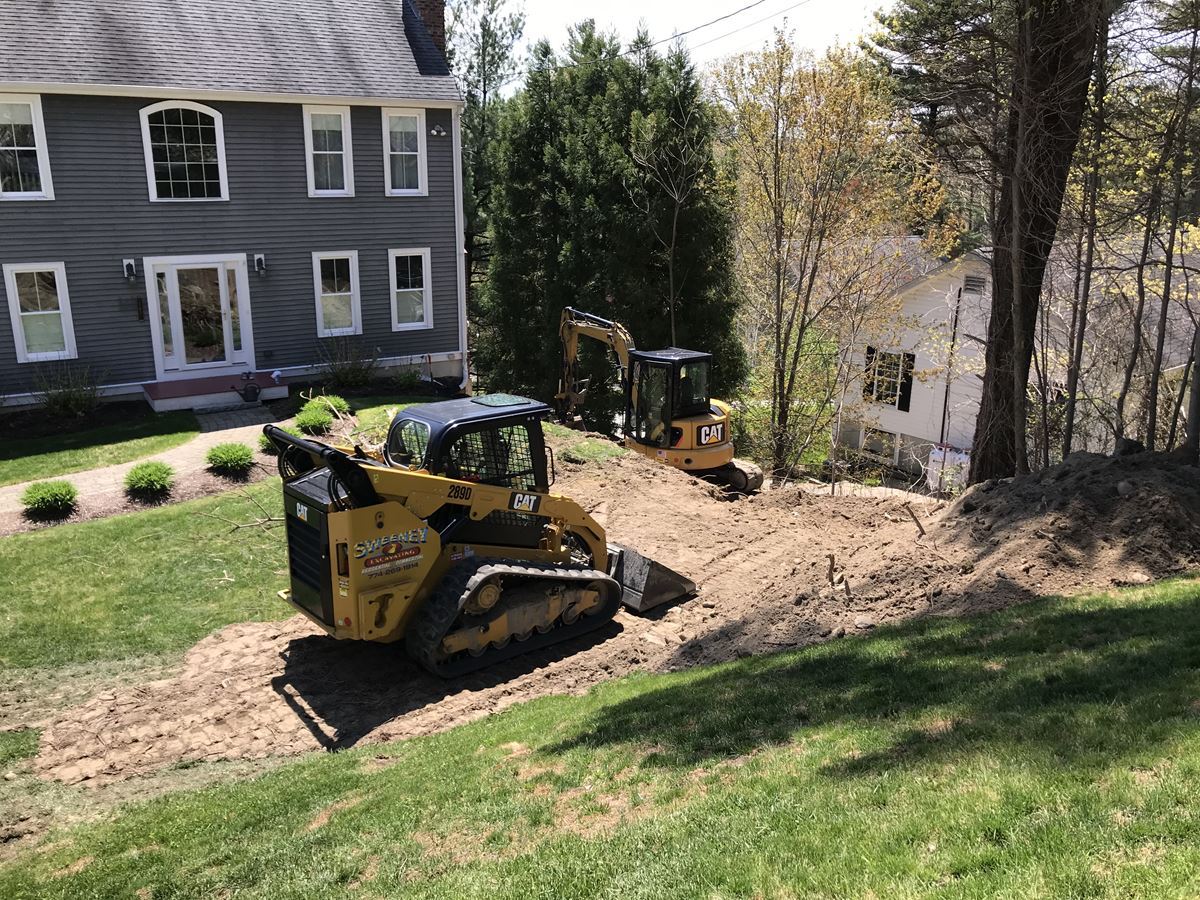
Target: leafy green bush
{"x": 314, "y": 420}
{"x": 267, "y": 446}
{"x": 49, "y": 499}
{"x": 328, "y": 403}
{"x": 67, "y": 389}
{"x": 232, "y": 460}
{"x": 406, "y": 381}
{"x": 150, "y": 481}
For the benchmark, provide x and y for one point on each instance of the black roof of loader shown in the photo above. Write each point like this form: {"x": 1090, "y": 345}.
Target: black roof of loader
{"x": 442, "y": 414}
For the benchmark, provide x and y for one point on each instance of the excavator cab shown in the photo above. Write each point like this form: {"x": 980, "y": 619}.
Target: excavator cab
{"x": 666, "y": 385}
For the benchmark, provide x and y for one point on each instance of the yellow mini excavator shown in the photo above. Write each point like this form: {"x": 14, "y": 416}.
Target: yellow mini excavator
{"x": 450, "y": 539}
{"x": 669, "y": 415}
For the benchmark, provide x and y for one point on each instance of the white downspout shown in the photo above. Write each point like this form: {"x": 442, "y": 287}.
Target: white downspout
{"x": 460, "y": 228}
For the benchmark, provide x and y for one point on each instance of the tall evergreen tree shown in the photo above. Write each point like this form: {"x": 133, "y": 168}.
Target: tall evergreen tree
{"x": 587, "y": 212}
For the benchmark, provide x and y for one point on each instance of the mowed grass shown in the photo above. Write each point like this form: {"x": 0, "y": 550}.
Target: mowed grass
{"x": 30, "y": 459}
{"x": 374, "y": 414}
{"x": 141, "y": 584}
{"x": 1049, "y": 751}
{"x": 579, "y": 449}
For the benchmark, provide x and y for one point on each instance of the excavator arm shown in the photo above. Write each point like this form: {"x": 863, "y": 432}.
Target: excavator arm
{"x": 572, "y": 391}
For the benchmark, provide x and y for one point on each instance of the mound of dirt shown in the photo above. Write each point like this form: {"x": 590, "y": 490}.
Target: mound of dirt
{"x": 779, "y": 570}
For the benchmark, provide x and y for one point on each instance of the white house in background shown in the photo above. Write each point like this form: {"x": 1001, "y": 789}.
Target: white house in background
{"x": 919, "y": 397}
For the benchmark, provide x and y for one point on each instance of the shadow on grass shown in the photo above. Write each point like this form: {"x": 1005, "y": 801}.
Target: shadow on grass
{"x": 1080, "y": 684}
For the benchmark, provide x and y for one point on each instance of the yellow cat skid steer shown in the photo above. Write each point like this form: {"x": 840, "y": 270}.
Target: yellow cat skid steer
{"x": 452, "y": 541}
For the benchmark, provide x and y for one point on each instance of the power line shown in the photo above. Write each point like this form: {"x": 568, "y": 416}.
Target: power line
{"x": 736, "y": 12}
{"x": 773, "y": 15}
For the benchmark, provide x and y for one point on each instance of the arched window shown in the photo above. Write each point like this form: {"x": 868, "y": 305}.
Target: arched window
{"x": 185, "y": 151}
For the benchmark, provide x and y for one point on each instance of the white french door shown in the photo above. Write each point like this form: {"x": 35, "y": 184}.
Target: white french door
{"x": 200, "y": 314}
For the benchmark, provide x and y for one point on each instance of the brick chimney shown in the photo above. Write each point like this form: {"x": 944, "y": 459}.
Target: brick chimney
{"x": 433, "y": 14}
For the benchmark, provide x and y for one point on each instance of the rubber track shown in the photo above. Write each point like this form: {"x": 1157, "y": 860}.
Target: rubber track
{"x": 444, "y": 605}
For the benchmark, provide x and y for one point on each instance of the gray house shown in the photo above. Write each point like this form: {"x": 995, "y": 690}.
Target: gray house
{"x": 196, "y": 193}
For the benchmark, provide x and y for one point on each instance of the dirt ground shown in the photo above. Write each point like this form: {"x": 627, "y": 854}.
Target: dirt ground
{"x": 783, "y": 569}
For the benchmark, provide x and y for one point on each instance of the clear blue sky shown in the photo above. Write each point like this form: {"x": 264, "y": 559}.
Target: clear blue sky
{"x": 817, "y": 24}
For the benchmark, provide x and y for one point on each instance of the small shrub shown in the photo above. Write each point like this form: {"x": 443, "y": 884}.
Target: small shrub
{"x": 49, "y": 499}
{"x": 231, "y": 460}
{"x": 314, "y": 420}
{"x": 329, "y": 403}
{"x": 67, "y": 390}
{"x": 347, "y": 362}
{"x": 267, "y": 446}
{"x": 150, "y": 481}
{"x": 407, "y": 381}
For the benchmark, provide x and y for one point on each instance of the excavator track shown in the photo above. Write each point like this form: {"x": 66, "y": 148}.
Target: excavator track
{"x": 445, "y": 613}
{"x": 737, "y": 476}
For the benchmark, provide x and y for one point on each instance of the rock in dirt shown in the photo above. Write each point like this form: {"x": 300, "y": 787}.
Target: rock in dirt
{"x": 864, "y": 622}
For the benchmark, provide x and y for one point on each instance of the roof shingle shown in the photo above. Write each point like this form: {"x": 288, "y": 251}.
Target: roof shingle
{"x": 348, "y": 48}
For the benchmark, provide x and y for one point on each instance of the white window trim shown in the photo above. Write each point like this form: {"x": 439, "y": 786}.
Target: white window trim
{"x": 43, "y": 152}
{"x": 422, "y": 154}
{"x": 347, "y": 150}
{"x": 355, "y": 293}
{"x": 427, "y": 289}
{"x": 218, "y": 122}
{"x": 11, "y": 270}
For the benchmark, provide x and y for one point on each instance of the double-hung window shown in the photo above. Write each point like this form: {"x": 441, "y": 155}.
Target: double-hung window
{"x": 404, "y": 152}
{"x": 328, "y": 149}
{"x": 24, "y": 160}
{"x": 411, "y": 291}
{"x": 40, "y": 311}
{"x": 889, "y": 378}
{"x": 184, "y": 144}
{"x": 339, "y": 305}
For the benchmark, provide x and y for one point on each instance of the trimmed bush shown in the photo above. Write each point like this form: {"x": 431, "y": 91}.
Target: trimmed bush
{"x": 314, "y": 420}
{"x": 268, "y": 447}
{"x": 231, "y": 460}
{"x": 150, "y": 481}
{"x": 328, "y": 403}
{"x": 50, "y": 499}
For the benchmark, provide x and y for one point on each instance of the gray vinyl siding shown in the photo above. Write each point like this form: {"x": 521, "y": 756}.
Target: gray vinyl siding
{"x": 102, "y": 214}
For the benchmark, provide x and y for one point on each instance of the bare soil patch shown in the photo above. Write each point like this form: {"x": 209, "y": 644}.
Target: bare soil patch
{"x": 780, "y": 570}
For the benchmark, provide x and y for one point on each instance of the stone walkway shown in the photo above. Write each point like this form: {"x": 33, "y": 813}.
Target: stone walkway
{"x": 239, "y": 425}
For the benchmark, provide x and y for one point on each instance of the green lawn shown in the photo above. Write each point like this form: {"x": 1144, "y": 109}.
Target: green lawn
{"x": 580, "y": 449}
{"x": 29, "y": 459}
{"x": 1050, "y": 751}
{"x": 141, "y": 584}
{"x": 374, "y": 414}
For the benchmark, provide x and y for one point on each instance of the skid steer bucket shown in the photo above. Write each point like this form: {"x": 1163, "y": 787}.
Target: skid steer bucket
{"x": 645, "y": 584}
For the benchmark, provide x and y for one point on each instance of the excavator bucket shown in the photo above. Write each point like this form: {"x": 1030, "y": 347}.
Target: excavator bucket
{"x": 645, "y": 583}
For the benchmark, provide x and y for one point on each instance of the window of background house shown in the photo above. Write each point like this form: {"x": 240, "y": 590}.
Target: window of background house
{"x": 185, "y": 152}
{"x": 889, "y": 378}
{"x": 328, "y": 146}
{"x": 404, "y": 151}
{"x": 24, "y": 160}
{"x": 412, "y": 294}
{"x": 974, "y": 284}
{"x": 338, "y": 301}
{"x": 40, "y": 311}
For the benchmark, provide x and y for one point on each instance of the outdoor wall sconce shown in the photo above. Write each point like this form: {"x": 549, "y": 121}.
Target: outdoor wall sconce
{"x": 437, "y": 131}
{"x": 260, "y": 264}
{"x": 129, "y": 267}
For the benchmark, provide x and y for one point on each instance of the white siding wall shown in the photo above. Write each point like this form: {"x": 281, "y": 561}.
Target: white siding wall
{"x": 929, "y": 304}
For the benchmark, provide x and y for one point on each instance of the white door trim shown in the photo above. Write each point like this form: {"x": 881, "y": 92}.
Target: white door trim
{"x": 150, "y": 266}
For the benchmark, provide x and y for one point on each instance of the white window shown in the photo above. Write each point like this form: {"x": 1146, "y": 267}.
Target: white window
{"x": 327, "y": 146}
{"x": 404, "y": 152}
{"x": 412, "y": 292}
{"x": 889, "y": 378}
{"x": 40, "y": 311}
{"x": 24, "y": 161}
{"x": 335, "y": 276}
{"x": 184, "y": 144}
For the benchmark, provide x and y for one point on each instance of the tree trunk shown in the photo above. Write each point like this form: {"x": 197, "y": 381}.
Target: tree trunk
{"x": 1054, "y": 64}
{"x": 1193, "y": 433}
{"x": 1090, "y": 199}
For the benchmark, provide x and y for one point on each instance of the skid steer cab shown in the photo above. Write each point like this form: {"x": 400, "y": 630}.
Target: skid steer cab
{"x": 452, "y": 542}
